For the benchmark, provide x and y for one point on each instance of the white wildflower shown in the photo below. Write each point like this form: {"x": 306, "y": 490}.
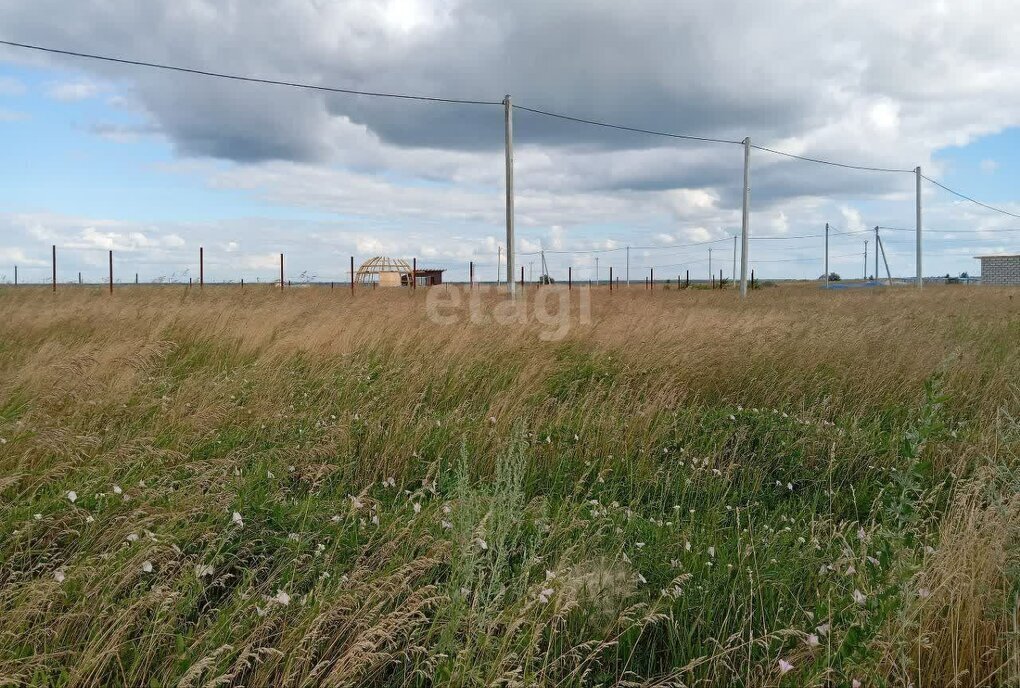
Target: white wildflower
{"x": 72, "y": 495}
{"x": 59, "y": 576}
{"x": 203, "y": 570}
{"x": 281, "y": 598}
{"x": 859, "y": 597}
{"x": 355, "y": 502}
{"x": 37, "y": 517}
{"x": 417, "y": 507}
{"x": 823, "y": 629}
{"x": 335, "y": 518}
{"x": 446, "y": 525}
{"x": 132, "y": 537}
{"x": 237, "y": 520}
{"x": 784, "y": 666}
{"x": 147, "y": 566}
{"x": 711, "y": 552}
{"x": 855, "y": 684}
{"x": 641, "y": 579}
{"x": 812, "y": 640}
{"x": 924, "y": 593}
{"x": 117, "y": 489}
{"x": 544, "y": 596}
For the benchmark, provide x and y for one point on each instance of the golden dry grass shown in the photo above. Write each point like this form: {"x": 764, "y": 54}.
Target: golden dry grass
{"x": 629, "y": 483}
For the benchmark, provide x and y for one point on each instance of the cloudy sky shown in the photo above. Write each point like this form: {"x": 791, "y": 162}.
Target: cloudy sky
{"x": 154, "y": 164}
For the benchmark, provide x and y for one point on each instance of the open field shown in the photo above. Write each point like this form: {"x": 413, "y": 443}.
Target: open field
{"x": 264, "y": 489}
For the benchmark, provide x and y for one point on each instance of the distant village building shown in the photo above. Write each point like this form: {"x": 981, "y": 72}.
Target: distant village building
{"x": 1002, "y": 269}
{"x": 396, "y": 272}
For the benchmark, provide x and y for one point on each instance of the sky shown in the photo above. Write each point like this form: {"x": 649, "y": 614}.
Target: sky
{"x": 154, "y": 164}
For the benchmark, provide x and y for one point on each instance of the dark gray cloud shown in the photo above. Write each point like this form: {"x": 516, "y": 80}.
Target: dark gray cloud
{"x": 867, "y": 81}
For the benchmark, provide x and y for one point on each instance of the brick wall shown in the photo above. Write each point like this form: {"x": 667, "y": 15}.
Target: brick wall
{"x": 1000, "y": 270}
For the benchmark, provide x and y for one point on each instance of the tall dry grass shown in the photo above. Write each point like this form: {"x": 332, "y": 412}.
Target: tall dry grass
{"x": 686, "y": 490}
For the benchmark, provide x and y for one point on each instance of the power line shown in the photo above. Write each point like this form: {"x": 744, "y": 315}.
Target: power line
{"x": 949, "y": 231}
{"x": 249, "y": 79}
{"x": 434, "y": 99}
{"x": 968, "y": 198}
{"x": 829, "y": 162}
{"x": 637, "y": 130}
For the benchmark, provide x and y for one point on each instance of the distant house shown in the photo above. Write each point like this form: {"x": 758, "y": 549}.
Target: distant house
{"x": 428, "y": 277}
{"x": 1002, "y": 269}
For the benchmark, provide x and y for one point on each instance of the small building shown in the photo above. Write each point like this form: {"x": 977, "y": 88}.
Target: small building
{"x": 384, "y": 271}
{"x": 396, "y": 272}
{"x": 428, "y": 277}
{"x": 1002, "y": 269}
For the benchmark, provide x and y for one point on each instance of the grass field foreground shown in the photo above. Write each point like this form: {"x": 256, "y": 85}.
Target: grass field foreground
{"x": 229, "y": 487}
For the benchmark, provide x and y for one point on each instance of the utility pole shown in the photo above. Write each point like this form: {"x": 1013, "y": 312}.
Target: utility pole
{"x": 509, "y": 151}
{"x": 281, "y": 272}
{"x": 628, "y": 266}
{"x": 734, "y": 273}
{"x": 917, "y": 175}
{"x": 710, "y": 262}
{"x": 201, "y": 267}
{"x": 745, "y": 217}
{"x": 54, "y": 267}
{"x": 531, "y": 270}
{"x": 865, "y": 259}
{"x": 111, "y": 271}
{"x": 885, "y": 260}
{"x": 826, "y": 254}
{"x": 596, "y": 271}
{"x": 876, "y": 253}
{"x": 499, "y": 261}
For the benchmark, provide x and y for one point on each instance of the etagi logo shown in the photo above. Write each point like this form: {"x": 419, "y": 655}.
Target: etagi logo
{"x": 552, "y": 308}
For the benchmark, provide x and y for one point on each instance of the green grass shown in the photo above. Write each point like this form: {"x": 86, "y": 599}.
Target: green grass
{"x": 578, "y": 513}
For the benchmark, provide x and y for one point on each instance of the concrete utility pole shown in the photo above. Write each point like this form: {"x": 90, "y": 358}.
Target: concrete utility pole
{"x": 734, "y": 273}
{"x": 826, "y": 254}
{"x": 917, "y": 175}
{"x": 745, "y": 217}
{"x": 628, "y": 266}
{"x": 885, "y": 260}
{"x": 876, "y": 252}
{"x": 531, "y": 271}
{"x": 865, "y": 259}
{"x": 509, "y": 146}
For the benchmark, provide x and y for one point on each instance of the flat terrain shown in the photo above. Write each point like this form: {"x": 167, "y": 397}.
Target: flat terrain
{"x": 253, "y": 488}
